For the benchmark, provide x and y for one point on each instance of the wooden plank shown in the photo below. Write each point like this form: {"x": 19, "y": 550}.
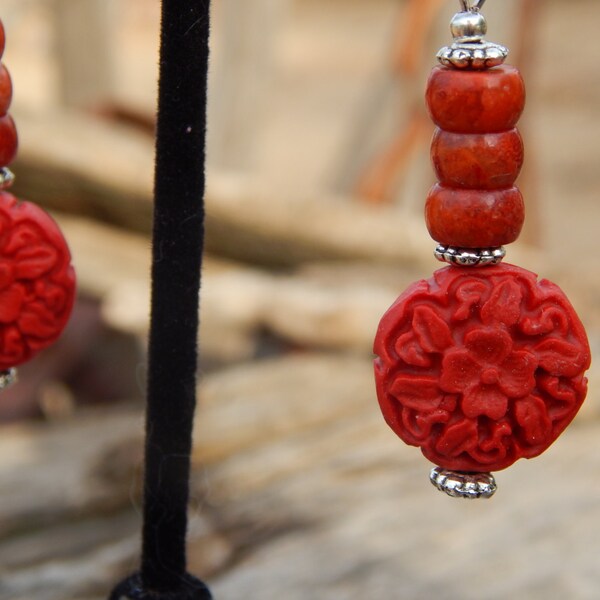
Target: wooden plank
{"x": 295, "y": 473}
{"x": 321, "y": 306}
{"x": 84, "y": 38}
{"x": 78, "y": 164}
{"x": 245, "y": 37}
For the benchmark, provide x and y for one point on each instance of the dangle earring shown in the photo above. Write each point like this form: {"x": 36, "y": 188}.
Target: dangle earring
{"x": 483, "y": 363}
{"x": 37, "y": 282}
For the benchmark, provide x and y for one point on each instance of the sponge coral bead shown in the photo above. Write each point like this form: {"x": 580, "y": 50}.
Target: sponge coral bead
{"x": 474, "y": 218}
{"x": 477, "y": 160}
{"x": 476, "y": 101}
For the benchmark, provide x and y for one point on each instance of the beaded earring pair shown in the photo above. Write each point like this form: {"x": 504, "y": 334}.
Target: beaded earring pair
{"x": 483, "y": 363}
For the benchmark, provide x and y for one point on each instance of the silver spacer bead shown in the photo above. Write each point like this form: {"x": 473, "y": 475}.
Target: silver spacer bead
{"x": 470, "y": 50}
{"x": 470, "y": 257}
{"x": 463, "y": 485}
{"x": 477, "y": 56}
{"x": 7, "y": 378}
{"x": 7, "y": 178}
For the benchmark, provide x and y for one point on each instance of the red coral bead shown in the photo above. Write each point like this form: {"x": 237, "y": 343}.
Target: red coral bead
{"x": 481, "y": 367}
{"x": 476, "y": 101}
{"x": 9, "y": 140}
{"x": 474, "y": 218}
{"x": 5, "y": 90}
{"x": 477, "y": 161}
{"x": 37, "y": 282}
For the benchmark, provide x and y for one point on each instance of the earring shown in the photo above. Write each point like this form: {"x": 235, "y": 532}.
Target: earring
{"x": 483, "y": 363}
{"x": 37, "y": 281}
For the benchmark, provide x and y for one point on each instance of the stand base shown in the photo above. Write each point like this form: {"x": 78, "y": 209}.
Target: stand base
{"x": 463, "y": 485}
{"x": 132, "y": 589}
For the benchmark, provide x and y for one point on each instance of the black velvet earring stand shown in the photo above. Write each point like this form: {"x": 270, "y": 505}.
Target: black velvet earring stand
{"x": 178, "y": 239}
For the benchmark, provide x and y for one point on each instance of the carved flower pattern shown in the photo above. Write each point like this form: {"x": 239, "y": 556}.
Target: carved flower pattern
{"x": 488, "y": 371}
{"x": 37, "y": 282}
{"x": 480, "y": 368}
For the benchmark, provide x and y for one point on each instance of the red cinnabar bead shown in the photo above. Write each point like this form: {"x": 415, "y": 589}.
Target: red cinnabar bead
{"x": 5, "y": 90}
{"x": 476, "y": 101}
{"x": 37, "y": 282}
{"x": 9, "y": 140}
{"x": 477, "y": 161}
{"x": 481, "y": 367}
{"x": 474, "y": 218}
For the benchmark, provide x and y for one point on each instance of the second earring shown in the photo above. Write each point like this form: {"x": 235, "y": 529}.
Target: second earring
{"x": 37, "y": 281}
{"x": 483, "y": 364}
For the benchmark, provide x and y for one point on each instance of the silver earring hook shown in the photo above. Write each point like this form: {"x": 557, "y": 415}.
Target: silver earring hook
{"x": 472, "y": 5}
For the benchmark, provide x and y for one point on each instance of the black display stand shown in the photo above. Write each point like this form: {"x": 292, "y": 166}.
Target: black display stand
{"x": 178, "y": 239}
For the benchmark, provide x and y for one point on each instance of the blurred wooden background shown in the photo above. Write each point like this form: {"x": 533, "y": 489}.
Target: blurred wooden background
{"x": 318, "y": 168}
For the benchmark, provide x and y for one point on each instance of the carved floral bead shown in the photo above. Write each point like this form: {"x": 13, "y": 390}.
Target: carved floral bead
{"x": 469, "y": 101}
{"x": 37, "y": 282}
{"x": 9, "y": 141}
{"x": 474, "y": 218}
{"x": 477, "y": 161}
{"x": 5, "y": 90}
{"x": 481, "y": 368}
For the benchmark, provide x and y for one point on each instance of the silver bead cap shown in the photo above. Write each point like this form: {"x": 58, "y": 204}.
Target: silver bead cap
{"x": 469, "y": 486}
{"x": 470, "y": 50}
{"x": 468, "y": 27}
{"x": 7, "y": 178}
{"x": 7, "y": 378}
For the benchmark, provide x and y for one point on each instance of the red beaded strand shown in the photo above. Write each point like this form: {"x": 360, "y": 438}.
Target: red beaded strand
{"x": 477, "y": 154}
{"x": 8, "y": 131}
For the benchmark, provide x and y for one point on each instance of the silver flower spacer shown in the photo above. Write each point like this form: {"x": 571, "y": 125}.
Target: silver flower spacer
{"x": 463, "y": 485}
{"x": 7, "y": 178}
{"x": 470, "y": 257}
{"x": 470, "y": 50}
{"x": 477, "y": 56}
{"x": 7, "y": 378}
